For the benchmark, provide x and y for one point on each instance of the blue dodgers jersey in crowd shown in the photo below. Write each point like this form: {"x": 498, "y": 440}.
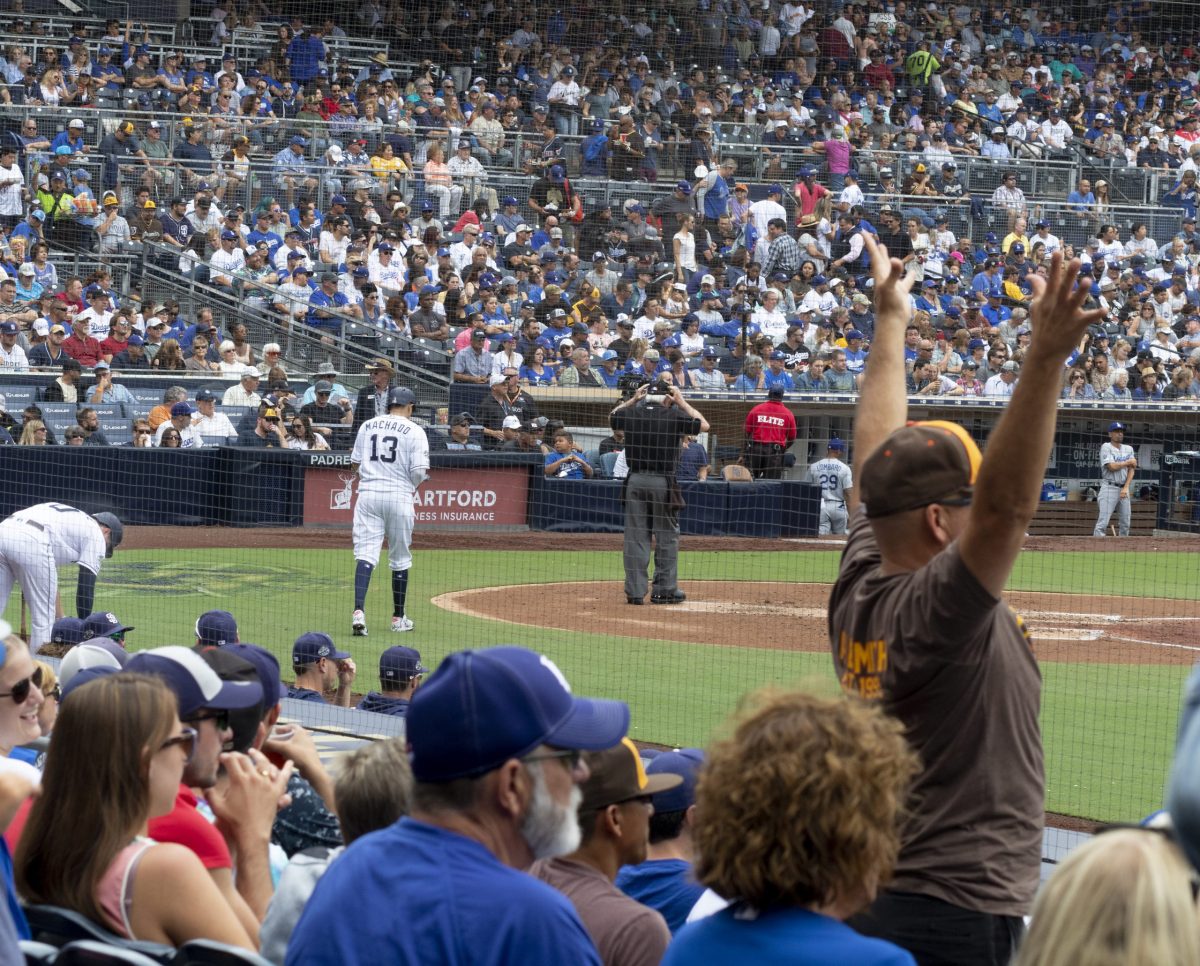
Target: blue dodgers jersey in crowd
{"x": 663, "y": 884}
{"x": 778, "y": 936}
{"x": 413, "y": 894}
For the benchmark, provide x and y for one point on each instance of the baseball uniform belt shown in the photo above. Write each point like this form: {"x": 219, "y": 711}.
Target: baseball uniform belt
{"x": 1111, "y": 483}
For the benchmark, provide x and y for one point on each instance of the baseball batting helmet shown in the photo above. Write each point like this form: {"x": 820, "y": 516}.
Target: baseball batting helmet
{"x": 399, "y": 396}
{"x": 116, "y": 530}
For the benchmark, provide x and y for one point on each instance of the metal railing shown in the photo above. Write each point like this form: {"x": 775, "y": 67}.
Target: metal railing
{"x": 421, "y": 364}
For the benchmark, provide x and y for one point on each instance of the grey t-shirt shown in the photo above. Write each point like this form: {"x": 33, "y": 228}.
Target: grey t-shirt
{"x": 956, "y": 667}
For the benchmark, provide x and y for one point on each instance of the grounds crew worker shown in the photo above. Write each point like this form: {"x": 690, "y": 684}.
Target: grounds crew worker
{"x": 770, "y": 430}
{"x": 654, "y": 419}
{"x": 917, "y": 622}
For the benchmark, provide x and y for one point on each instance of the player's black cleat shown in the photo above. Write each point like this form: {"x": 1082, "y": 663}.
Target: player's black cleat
{"x": 675, "y": 597}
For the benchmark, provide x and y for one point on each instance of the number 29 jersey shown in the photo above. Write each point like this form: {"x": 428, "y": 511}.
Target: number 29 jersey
{"x": 392, "y": 456}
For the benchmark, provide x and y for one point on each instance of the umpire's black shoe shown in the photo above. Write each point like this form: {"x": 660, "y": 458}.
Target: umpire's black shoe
{"x": 675, "y": 597}
{"x": 633, "y": 600}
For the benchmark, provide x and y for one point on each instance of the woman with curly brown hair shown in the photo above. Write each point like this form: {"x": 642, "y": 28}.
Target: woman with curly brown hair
{"x": 797, "y": 823}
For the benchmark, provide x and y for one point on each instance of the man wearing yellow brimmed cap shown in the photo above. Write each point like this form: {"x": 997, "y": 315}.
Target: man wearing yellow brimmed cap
{"x": 916, "y": 621}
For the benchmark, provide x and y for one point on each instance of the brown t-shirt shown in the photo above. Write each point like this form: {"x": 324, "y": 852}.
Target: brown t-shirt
{"x": 625, "y": 932}
{"x": 956, "y": 667}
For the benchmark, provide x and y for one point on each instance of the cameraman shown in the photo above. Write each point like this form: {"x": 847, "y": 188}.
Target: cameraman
{"x": 654, "y": 419}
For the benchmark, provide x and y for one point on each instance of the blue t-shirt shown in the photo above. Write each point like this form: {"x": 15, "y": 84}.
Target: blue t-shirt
{"x": 10, "y": 889}
{"x": 568, "y": 471}
{"x": 663, "y": 884}
{"x": 457, "y": 903}
{"x": 304, "y": 694}
{"x": 382, "y": 704}
{"x": 735, "y": 936}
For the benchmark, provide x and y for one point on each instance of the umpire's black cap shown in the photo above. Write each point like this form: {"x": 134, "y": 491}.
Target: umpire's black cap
{"x": 401, "y": 396}
{"x": 115, "y": 528}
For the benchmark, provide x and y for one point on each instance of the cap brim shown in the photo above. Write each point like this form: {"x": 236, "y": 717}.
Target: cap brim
{"x": 339, "y": 655}
{"x": 662, "y": 782}
{"x": 593, "y": 724}
{"x": 235, "y": 695}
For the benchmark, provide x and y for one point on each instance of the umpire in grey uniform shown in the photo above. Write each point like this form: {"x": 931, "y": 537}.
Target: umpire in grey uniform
{"x": 655, "y": 419}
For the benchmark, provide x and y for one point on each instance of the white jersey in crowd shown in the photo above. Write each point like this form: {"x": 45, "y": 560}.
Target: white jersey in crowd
{"x": 833, "y": 477}
{"x": 392, "y": 455}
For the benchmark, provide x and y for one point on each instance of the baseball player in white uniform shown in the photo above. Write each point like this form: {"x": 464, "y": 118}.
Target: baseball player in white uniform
{"x": 391, "y": 458}
{"x": 834, "y": 478}
{"x": 34, "y": 542}
{"x": 1117, "y": 464}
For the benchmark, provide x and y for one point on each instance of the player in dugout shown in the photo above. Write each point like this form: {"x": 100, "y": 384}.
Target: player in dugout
{"x": 917, "y": 622}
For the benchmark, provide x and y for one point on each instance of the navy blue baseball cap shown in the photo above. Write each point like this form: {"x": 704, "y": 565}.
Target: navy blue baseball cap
{"x": 686, "y": 763}
{"x": 216, "y": 628}
{"x": 195, "y": 683}
{"x": 311, "y": 647}
{"x": 266, "y": 666}
{"x": 836, "y": 444}
{"x": 67, "y": 630}
{"x": 102, "y": 624}
{"x": 400, "y": 663}
{"x": 1116, "y": 427}
{"x": 483, "y": 707}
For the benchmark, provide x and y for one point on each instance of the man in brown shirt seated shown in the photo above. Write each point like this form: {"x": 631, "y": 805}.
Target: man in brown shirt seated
{"x": 917, "y": 622}
{"x": 614, "y": 818}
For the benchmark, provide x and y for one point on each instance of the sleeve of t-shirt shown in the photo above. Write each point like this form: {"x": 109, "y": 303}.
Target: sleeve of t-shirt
{"x": 642, "y": 940}
{"x": 186, "y": 826}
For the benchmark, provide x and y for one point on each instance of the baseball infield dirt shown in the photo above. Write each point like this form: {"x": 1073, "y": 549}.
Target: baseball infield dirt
{"x": 789, "y": 616}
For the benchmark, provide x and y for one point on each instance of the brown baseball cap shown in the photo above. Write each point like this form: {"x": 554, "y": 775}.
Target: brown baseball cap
{"x": 617, "y": 776}
{"x": 923, "y": 463}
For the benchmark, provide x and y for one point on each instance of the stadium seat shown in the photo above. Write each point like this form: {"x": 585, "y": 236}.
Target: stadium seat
{"x": 209, "y": 952}
{"x": 219, "y": 440}
{"x": 17, "y": 398}
{"x": 736, "y": 473}
{"x": 109, "y": 410}
{"x": 608, "y": 463}
{"x": 60, "y": 409}
{"x": 119, "y": 432}
{"x": 59, "y": 927}
{"x": 89, "y": 952}
{"x": 38, "y": 954}
{"x": 593, "y": 458}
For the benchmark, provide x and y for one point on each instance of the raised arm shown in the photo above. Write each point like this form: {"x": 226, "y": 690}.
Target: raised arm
{"x": 882, "y": 401}
{"x": 1010, "y": 478}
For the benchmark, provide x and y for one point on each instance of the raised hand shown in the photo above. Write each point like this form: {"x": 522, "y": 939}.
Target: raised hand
{"x": 892, "y": 283}
{"x": 1057, "y": 313}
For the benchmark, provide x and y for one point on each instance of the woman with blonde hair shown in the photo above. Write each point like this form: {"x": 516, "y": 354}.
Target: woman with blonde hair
{"x": 115, "y": 761}
{"x": 1126, "y": 896}
{"x": 33, "y": 433}
{"x": 797, "y": 824}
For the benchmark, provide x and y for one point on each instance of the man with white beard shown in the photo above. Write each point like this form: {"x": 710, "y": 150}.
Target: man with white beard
{"x": 496, "y": 739}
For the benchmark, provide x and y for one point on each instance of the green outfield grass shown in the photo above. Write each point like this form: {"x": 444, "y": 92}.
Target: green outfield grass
{"x": 1109, "y": 729}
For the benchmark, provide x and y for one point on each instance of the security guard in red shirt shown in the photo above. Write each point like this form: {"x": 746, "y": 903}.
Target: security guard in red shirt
{"x": 770, "y": 430}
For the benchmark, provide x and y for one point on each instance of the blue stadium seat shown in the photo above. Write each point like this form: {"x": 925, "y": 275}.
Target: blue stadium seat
{"x": 60, "y": 927}
{"x": 89, "y": 952}
{"x": 109, "y": 410}
{"x": 119, "y": 432}
{"x": 62, "y": 409}
{"x": 608, "y": 463}
{"x": 17, "y": 398}
{"x": 219, "y": 440}
{"x": 209, "y": 952}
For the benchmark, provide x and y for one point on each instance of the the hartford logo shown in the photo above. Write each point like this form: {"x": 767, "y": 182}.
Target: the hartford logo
{"x": 341, "y": 498}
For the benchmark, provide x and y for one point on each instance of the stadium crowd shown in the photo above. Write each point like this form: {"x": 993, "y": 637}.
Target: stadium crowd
{"x": 171, "y": 804}
{"x": 315, "y": 194}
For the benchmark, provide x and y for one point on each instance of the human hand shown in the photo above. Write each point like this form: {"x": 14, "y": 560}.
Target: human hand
{"x": 248, "y": 794}
{"x": 1056, "y": 312}
{"x": 347, "y": 671}
{"x": 892, "y": 283}
{"x": 294, "y": 744}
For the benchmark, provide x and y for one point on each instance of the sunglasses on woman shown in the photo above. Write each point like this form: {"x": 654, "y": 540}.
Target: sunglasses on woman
{"x": 186, "y": 739}
{"x": 20, "y": 690}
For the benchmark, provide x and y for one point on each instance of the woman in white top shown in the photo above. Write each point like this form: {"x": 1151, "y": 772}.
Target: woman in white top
{"x": 684, "y": 246}
{"x": 230, "y": 364}
{"x": 506, "y": 356}
{"x": 691, "y": 342}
